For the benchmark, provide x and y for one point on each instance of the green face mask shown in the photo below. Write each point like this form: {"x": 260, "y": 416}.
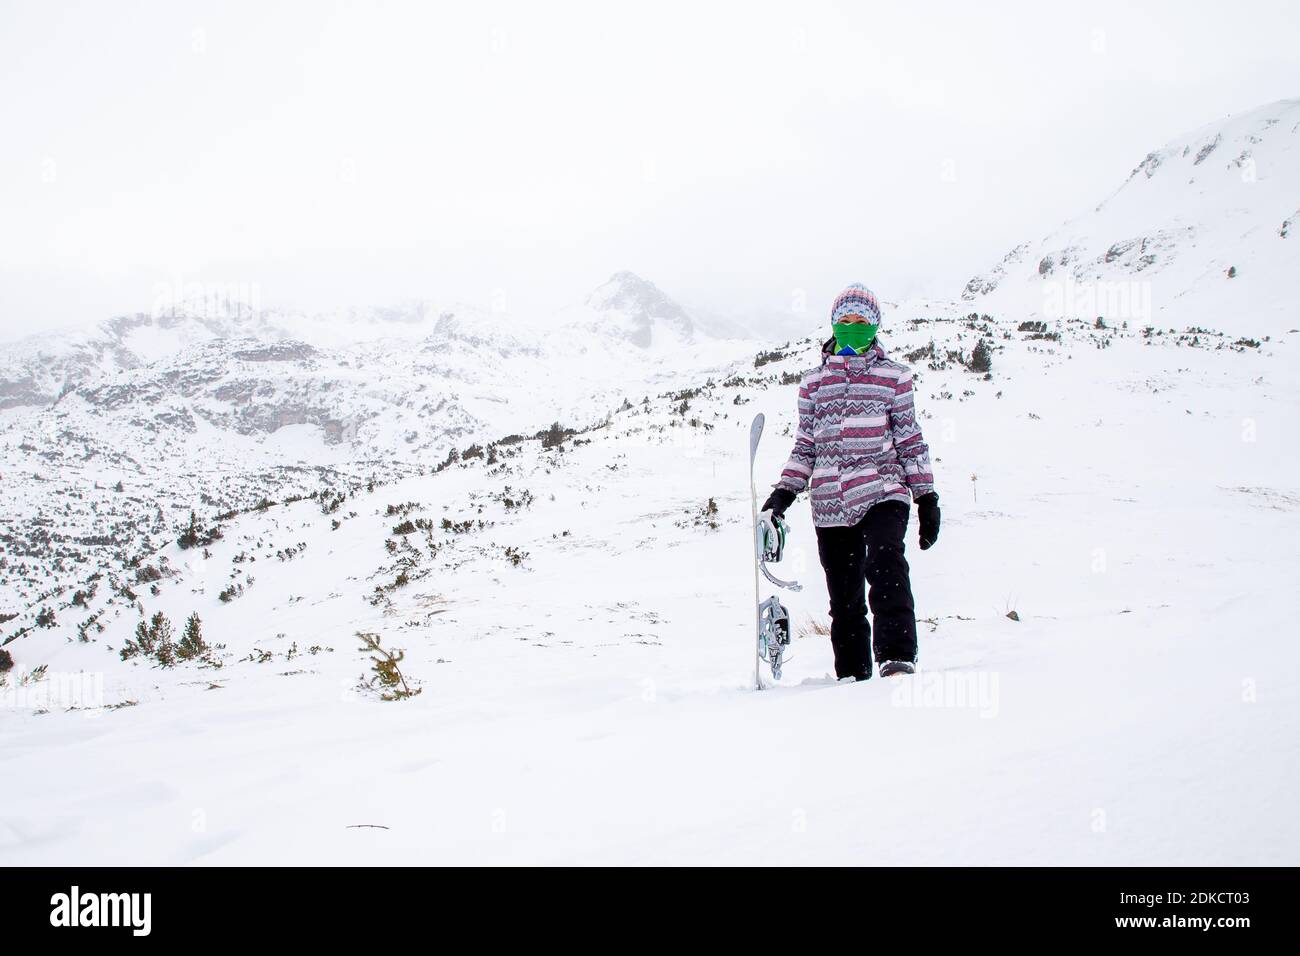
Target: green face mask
{"x": 856, "y": 335}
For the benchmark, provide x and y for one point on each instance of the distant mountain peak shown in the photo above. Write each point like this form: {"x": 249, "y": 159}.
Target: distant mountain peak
{"x": 645, "y": 313}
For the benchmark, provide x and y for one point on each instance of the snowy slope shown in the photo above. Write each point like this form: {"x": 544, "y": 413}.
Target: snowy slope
{"x": 1158, "y": 251}
{"x": 584, "y": 656}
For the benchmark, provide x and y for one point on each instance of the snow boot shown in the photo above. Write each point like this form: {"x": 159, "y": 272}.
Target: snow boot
{"x": 892, "y": 668}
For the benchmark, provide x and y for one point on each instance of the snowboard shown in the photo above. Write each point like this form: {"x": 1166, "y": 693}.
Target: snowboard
{"x": 771, "y": 619}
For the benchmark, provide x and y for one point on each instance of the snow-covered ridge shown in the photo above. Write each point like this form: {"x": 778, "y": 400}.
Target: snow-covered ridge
{"x": 1201, "y": 233}
{"x": 626, "y": 309}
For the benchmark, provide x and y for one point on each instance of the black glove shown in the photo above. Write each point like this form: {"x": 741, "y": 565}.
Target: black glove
{"x": 778, "y": 501}
{"x": 927, "y": 510}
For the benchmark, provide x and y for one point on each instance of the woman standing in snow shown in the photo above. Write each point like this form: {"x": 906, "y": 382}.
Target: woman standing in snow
{"x": 858, "y": 449}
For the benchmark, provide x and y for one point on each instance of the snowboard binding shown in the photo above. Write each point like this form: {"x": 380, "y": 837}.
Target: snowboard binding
{"x": 770, "y": 546}
{"x": 773, "y": 634}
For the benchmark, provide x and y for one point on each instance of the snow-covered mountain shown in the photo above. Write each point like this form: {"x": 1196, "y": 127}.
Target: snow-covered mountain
{"x": 1203, "y": 232}
{"x": 629, "y": 309}
{"x": 216, "y": 406}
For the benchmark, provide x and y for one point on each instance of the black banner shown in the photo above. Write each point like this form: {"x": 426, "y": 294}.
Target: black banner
{"x": 331, "y": 905}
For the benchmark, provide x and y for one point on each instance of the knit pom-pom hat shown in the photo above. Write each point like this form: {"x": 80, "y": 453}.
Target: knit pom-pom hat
{"x": 857, "y": 299}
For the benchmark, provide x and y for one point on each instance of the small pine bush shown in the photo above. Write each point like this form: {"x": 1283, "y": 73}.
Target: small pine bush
{"x": 386, "y": 674}
{"x": 192, "y": 644}
{"x": 160, "y": 630}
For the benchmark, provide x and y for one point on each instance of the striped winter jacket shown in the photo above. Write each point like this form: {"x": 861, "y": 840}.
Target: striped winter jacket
{"x": 858, "y": 442}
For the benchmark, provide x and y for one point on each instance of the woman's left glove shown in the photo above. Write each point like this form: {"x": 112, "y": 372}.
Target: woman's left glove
{"x": 927, "y": 510}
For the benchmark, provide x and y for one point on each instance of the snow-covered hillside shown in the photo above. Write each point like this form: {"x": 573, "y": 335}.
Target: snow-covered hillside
{"x": 1203, "y": 233}
{"x": 577, "y": 620}
{"x": 112, "y": 437}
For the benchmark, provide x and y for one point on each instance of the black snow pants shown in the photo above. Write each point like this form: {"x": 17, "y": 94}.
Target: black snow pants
{"x": 869, "y": 553}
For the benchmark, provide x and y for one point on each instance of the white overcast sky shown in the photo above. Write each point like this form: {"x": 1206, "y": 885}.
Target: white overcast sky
{"x": 346, "y": 153}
